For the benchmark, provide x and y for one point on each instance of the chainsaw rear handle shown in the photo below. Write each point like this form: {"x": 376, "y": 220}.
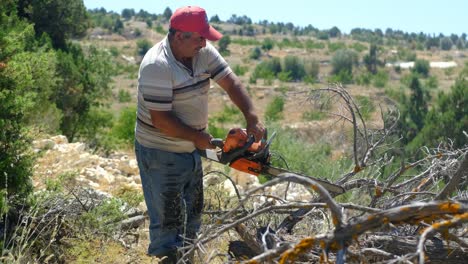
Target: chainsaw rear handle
{"x": 218, "y": 142}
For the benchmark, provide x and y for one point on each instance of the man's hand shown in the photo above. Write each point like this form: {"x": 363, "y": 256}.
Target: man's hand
{"x": 203, "y": 141}
{"x": 256, "y": 129}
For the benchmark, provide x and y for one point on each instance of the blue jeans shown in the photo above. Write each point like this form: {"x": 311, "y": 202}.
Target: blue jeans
{"x": 173, "y": 190}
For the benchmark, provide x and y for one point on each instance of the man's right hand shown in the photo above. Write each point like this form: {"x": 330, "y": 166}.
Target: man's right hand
{"x": 203, "y": 141}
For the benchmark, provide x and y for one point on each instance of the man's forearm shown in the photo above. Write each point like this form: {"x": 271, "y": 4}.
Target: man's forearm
{"x": 241, "y": 99}
{"x": 172, "y": 126}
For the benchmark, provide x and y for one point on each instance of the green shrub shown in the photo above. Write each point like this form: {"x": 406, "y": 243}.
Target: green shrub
{"x": 313, "y": 115}
{"x": 312, "y": 69}
{"x": 124, "y": 96}
{"x": 364, "y": 79}
{"x": 160, "y": 29}
{"x": 343, "y": 77}
{"x": 268, "y": 44}
{"x": 255, "y": 53}
{"x": 143, "y": 45}
{"x": 240, "y": 70}
{"x": 223, "y": 44}
{"x": 310, "y": 44}
{"x": 274, "y": 110}
{"x": 357, "y": 46}
{"x": 366, "y": 106}
{"x": 246, "y": 41}
{"x": 267, "y": 69}
{"x": 303, "y": 157}
{"x": 124, "y": 128}
{"x": 334, "y": 46}
{"x": 380, "y": 79}
{"x": 343, "y": 61}
{"x": 114, "y": 51}
{"x": 285, "y": 76}
{"x": 421, "y": 67}
{"x": 293, "y": 67}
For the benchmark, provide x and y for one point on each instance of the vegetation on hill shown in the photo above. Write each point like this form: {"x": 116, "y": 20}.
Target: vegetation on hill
{"x": 67, "y": 70}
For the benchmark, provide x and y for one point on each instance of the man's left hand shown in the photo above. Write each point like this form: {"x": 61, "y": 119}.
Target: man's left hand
{"x": 257, "y": 130}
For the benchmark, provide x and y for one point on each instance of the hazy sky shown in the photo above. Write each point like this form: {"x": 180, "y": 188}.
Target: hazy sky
{"x": 428, "y": 16}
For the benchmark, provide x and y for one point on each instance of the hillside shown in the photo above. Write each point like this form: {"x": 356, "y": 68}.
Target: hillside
{"x": 345, "y": 108}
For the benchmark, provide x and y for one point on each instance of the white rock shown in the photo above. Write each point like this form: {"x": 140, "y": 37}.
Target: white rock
{"x": 60, "y": 139}
{"x": 43, "y": 144}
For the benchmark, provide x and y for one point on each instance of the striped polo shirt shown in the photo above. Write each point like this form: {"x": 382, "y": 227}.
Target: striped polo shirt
{"x": 165, "y": 84}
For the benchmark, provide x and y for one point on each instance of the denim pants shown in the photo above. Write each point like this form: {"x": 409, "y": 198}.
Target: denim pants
{"x": 173, "y": 190}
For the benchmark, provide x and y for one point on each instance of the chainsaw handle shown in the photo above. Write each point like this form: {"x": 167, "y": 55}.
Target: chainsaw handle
{"x": 218, "y": 142}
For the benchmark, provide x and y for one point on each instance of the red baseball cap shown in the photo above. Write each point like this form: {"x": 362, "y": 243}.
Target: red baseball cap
{"x": 194, "y": 19}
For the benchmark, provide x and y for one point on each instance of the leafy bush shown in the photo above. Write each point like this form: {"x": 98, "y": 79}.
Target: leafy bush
{"x": 366, "y": 106}
{"x": 343, "y": 77}
{"x": 312, "y": 69}
{"x": 310, "y": 44}
{"x": 268, "y": 44}
{"x": 447, "y": 118}
{"x": 143, "y": 45}
{"x": 246, "y": 42}
{"x": 267, "y": 69}
{"x": 313, "y": 115}
{"x": 240, "y": 70}
{"x": 364, "y": 79}
{"x": 446, "y": 43}
{"x": 380, "y": 79}
{"x": 294, "y": 67}
{"x": 357, "y": 46}
{"x": 124, "y": 96}
{"x": 124, "y": 128}
{"x": 334, "y": 46}
{"x": 223, "y": 44}
{"x": 300, "y": 156}
{"x": 343, "y": 61}
{"x": 255, "y": 53}
{"x": 421, "y": 67}
{"x": 274, "y": 110}
{"x": 285, "y": 76}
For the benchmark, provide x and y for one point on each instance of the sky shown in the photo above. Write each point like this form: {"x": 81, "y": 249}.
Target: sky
{"x": 427, "y": 16}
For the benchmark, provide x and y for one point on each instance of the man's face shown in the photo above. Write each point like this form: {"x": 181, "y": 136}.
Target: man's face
{"x": 190, "y": 46}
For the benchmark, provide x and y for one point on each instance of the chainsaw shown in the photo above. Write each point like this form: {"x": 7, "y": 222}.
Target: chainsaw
{"x": 241, "y": 152}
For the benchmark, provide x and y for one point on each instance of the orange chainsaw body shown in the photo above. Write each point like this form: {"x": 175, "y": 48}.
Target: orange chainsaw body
{"x": 236, "y": 138}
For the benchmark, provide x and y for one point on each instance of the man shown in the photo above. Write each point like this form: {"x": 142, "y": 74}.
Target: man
{"x": 172, "y": 117}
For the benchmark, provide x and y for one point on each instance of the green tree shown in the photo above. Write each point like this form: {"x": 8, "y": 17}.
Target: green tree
{"x": 223, "y": 44}
{"x": 370, "y": 60}
{"x": 274, "y": 110}
{"x": 414, "y": 109}
{"x": 267, "y": 44}
{"x": 446, "y": 43}
{"x": 143, "y": 45}
{"x": 448, "y": 118}
{"x": 84, "y": 83}
{"x": 128, "y": 13}
{"x": 294, "y": 67}
{"x": 167, "y": 13}
{"x": 344, "y": 60}
{"x": 16, "y": 99}
{"x": 421, "y": 67}
{"x": 334, "y": 32}
{"x": 255, "y": 53}
{"x": 118, "y": 26}
{"x": 215, "y": 19}
{"x": 64, "y": 18}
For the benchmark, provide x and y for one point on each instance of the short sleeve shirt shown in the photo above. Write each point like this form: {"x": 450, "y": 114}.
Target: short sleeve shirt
{"x": 165, "y": 84}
